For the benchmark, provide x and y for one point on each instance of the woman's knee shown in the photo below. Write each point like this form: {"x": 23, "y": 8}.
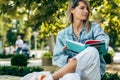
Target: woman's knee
{"x": 92, "y": 51}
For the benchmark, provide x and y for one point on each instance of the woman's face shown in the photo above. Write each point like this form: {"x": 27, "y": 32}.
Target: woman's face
{"x": 80, "y": 12}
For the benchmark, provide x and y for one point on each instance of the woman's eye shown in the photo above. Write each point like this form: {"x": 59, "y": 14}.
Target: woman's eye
{"x": 81, "y": 7}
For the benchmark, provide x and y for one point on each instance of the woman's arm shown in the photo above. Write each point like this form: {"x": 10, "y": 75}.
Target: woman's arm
{"x": 59, "y": 56}
{"x": 99, "y": 34}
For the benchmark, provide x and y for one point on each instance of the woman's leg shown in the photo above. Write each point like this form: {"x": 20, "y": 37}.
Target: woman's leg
{"x": 68, "y": 68}
{"x": 86, "y": 62}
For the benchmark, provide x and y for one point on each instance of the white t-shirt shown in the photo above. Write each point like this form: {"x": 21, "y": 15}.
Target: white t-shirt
{"x": 19, "y": 43}
{"x": 25, "y": 46}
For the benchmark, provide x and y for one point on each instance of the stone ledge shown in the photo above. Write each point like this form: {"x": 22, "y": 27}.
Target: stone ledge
{"x": 8, "y": 77}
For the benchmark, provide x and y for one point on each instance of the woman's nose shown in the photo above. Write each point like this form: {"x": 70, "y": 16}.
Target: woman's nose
{"x": 86, "y": 10}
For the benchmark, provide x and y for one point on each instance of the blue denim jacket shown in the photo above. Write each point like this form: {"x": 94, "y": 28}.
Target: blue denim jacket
{"x": 60, "y": 57}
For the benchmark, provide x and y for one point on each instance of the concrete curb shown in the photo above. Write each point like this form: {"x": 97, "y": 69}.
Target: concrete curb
{"x": 8, "y": 77}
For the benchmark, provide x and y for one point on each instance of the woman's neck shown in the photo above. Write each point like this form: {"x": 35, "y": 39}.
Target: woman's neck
{"x": 77, "y": 24}
{"x": 77, "y": 27}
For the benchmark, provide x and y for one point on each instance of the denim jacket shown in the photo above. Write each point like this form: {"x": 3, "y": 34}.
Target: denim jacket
{"x": 60, "y": 57}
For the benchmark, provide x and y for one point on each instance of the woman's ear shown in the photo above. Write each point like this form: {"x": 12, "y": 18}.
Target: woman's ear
{"x": 71, "y": 10}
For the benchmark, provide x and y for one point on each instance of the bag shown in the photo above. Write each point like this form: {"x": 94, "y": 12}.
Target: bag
{"x": 38, "y": 76}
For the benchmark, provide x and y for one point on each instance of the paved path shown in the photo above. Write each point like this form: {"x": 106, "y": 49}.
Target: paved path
{"x": 31, "y": 63}
{"x": 38, "y": 62}
{"x": 8, "y": 77}
{"x": 116, "y": 57}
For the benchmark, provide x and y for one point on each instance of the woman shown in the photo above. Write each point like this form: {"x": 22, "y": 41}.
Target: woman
{"x": 89, "y": 64}
{"x": 86, "y": 65}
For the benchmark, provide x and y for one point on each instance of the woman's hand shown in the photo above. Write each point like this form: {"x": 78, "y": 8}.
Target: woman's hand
{"x": 69, "y": 59}
{"x": 64, "y": 47}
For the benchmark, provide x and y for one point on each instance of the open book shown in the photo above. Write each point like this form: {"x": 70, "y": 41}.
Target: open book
{"x": 78, "y": 47}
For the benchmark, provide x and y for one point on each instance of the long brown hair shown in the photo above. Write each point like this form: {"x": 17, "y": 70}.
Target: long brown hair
{"x": 73, "y": 4}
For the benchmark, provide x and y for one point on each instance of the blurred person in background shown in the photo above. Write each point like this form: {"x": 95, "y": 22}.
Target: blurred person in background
{"x": 25, "y": 49}
{"x": 19, "y": 44}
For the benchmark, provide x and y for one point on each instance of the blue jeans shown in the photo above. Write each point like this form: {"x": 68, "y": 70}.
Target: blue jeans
{"x": 18, "y": 50}
{"x": 25, "y": 52}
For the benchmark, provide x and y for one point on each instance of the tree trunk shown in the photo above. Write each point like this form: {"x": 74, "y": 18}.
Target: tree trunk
{"x": 51, "y": 43}
{"x": 46, "y": 61}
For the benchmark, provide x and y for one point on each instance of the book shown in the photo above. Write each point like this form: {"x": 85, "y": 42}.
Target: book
{"x": 78, "y": 47}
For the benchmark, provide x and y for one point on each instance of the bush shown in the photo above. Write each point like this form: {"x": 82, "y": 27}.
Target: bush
{"x": 47, "y": 59}
{"x": 19, "y": 60}
{"x": 110, "y": 76}
{"x": 47, "y": 55}
{"x": 109, "y": 56}
{"x": 6, "y": 55}
{"x": 18, "y": 71}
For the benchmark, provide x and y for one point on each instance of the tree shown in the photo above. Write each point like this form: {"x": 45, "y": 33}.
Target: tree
{"x": 49, "y": 16}
{"x": 109, "y": 16}
{"x": 31, "y": 13}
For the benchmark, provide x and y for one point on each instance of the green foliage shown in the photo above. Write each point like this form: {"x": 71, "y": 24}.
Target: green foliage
{"x": 18, "y": 71}
{"x": 57, "y": 22}
{"x": 31, "y": 13}
{"x": 47, "y": 59}
{"x": 47, "y": 55}
{"x": 112, "y": 53}
{"x": 109, "y": 14}
{"x": 13, "y": 38}
{"x": 109, "y": 57}
{"x": 49, "y": 16}
{"x": 6, "y": 55}
{"x": 109, "y": 76}
{"x": 19, "y": 60}
{"x": 96, "y": 3}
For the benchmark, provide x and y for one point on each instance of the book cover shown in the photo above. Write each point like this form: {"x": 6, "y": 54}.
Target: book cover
{"x": 92, "y": 41}
{"x": 78, "y": 47}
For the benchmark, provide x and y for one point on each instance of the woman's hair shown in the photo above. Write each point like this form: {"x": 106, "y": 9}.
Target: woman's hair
{"x": 73, "y": 4}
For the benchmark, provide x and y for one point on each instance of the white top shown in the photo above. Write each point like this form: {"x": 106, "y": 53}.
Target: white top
{"x": 25, "y": 46}
{"x": 19, "y": 43}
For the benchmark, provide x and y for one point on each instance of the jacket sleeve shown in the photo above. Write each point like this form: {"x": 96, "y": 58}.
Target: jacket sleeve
{"x": 59, "y": 56}
{"x": 100, "y": 35}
